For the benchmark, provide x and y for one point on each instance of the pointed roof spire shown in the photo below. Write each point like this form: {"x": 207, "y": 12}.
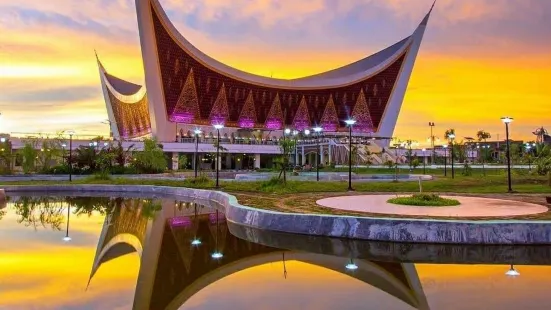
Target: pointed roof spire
{"x": 426, "y": 19}
{"x": 100, "y": 65}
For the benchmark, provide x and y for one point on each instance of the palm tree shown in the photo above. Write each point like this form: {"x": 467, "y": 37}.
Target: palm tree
{"x": 448, "y": 133}
{"x": 483, "y": 135}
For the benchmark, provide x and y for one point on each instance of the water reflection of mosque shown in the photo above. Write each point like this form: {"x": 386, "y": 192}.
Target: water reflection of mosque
{"x": 172, "y": 270}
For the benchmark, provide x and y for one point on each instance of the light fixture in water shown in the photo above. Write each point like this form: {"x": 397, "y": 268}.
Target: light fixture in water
{"x": 512, "y": 272}
{"x": 196, "y": 242}
{"x": 217, "y": 255}
{"x": 351, "y": 266}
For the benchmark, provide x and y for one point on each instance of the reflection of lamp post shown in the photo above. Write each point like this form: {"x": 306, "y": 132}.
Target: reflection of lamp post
{"x": 195, "y": 241}
{"x": 350, "y": 123}
{"x": 512, "y": 272}
{"x": 284, "y": 266}
{"x": 351, "y": 265}
{"x": 197, "y": 132}
{"x": 67, "y": 238}
{"x": 71, "y": 133}
{"x": 318, "y": 131}
{"x": 218, "y": 127}
{"x": 217, "y": 254}
{"x": 507, "y": 120}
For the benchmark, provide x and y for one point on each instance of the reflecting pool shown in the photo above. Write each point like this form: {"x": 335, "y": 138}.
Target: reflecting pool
{"x": 125, "y": 252}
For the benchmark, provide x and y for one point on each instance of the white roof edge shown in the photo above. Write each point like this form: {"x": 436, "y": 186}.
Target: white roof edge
{"x": 134, "y": 98}
{"x": 304, "y": 82}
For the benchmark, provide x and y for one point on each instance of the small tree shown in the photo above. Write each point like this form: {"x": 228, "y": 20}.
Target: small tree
{"x": 151, "y": 159}
{"x": 448, "y": 133}
{"x": 30, "y": 155}
{"x": 286, "y": 146}
{"x": 483, "y": 135}
{"x": 6, "y": 157}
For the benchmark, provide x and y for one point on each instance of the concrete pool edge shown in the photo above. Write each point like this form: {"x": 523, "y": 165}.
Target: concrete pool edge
{"x": 363, "y": 228}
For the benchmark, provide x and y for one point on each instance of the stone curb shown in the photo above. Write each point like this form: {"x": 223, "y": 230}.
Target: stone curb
{"x": 365, "y": 228}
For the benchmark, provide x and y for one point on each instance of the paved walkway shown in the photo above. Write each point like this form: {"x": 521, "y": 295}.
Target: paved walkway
{"x": 470, "y": 206}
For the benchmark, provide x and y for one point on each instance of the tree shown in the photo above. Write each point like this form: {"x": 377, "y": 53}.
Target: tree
{"x": 448, "y": 133}
{"x": 30, "y": 155}
{"x": 6, "y": 157}
{"x": 121, "y": 154}
{"x": 286, "y": 146}
{"x": 415, "y": 163}
{"x": 151, "y": 159}
{"x": 483, "y": 135}
{"x": 40, "y": 211}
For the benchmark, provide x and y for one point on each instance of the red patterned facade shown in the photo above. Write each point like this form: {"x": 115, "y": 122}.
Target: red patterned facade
{"x": 327, "y": 107}
{"x": 132, "y": 119}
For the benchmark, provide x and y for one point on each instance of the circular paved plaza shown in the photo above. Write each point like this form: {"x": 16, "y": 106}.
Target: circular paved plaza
{"x": 469, "y": 207}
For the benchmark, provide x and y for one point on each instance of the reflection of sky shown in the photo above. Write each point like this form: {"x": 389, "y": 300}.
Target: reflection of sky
{"x": 38, "y": 268}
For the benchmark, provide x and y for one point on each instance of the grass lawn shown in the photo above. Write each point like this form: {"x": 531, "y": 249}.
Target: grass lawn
{"x": 301, "y": 196}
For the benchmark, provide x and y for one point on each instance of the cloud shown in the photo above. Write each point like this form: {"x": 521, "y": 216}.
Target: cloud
{"x": 48, "y": 46}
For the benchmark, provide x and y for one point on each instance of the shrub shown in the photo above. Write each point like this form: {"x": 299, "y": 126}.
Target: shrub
{"x": 429, "y": 200}
{"x": 151, "y": 159}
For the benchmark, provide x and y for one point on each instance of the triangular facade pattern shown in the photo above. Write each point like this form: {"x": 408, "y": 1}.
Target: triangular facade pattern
{"x": 274, "y": 120}
{"x": 361, "y": 114}
{"x": 220, "y": 111}
{"x": 247, "y": 117}
{"x": 302, "y": 118}
{"x": 330, "y": 119}
{"x": 187, "y": 107}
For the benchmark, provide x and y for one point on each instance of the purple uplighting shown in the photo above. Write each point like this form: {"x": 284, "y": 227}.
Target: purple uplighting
{"x": 273, "y": 124}
{"x": 217, "y": 120}
{"x": 246, "y": 123}
{"x": 329, "y": 127}
{"x": 185, "y": 118}
{"x": 302, "y": 125}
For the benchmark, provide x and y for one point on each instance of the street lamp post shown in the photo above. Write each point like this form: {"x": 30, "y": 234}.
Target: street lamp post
{"x": 507, "y": 120}
{"x": 451, "y": 137}
{"x": 445, "y": 146}
{"x": 218, "y": 127}
{"x": 529, "y": 154}
{"x": 424, "y": 162}
{"x": 350, "y": 123}
{"x": 286, "y": 150}
{"x": 71, "y": 133}
{"x": 318, "y": 131}
{"x": 396, "y": 147}
{"x": 431, "y": 124}
{"x": 295, "y": 134}
{"x": 197, "y": 132}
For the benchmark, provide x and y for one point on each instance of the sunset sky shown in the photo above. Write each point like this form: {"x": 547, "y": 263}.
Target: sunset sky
{"x": 480, "y": 59}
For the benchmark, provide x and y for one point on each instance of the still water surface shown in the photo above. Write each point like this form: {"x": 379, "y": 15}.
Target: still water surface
{"x": 135, "y": 253}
